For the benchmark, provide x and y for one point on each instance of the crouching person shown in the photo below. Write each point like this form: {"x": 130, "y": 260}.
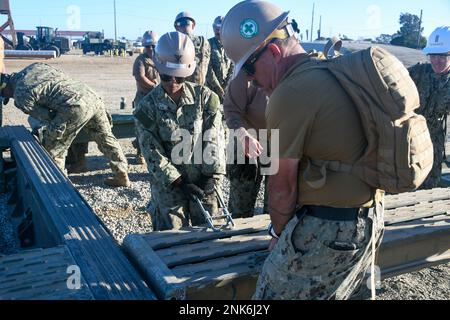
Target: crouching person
{"x": 65, "y": 107}
{"x": 177, "y": 122}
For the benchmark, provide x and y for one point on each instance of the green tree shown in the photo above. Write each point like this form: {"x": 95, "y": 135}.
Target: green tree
{"x": 384, "y": 38}
{"x": 409, "y": 31}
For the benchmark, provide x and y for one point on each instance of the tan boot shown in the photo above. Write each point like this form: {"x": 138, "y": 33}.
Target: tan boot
{"x": 140, "y": 159}
{"x": 119, "y": 180}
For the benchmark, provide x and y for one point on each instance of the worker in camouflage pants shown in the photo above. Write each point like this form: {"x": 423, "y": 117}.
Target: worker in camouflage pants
{"x": 220, "y": 68}
{"x": 185, "y": 23}
{"x": 245, "y": 108}
{"x": 433, "y": 82}
{"x": 66, "y": 107}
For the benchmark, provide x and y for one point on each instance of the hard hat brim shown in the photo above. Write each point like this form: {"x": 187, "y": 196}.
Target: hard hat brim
{"x": 256, "y": 46}
{"x": 175, "y": 72}
{"x": 436, "y": 50}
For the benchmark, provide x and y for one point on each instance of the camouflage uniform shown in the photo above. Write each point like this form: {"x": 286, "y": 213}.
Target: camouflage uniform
{"x": 244, "y": 191}
{"x": 65, "y": 107}
{"x": 202, "y": 57}
{"x": 244, "y": 107}
{"x": 220, "y": 69}
{"x": 157, "y": 118}
{"x": 299, "y": 266}
{"x": 146, "y": 63}
{"x": 434, "y": 91}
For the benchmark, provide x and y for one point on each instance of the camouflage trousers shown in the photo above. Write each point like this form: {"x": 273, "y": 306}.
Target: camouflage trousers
{"x": 97, "y": 124}
{"x": 317, "y": 259}
{"x": 434, "y": 178}
{"x": 139, "y": 96}
{"x": 172, "y": 210}
{"x": 244, "y": 193}
{"x": 76, "y": 152}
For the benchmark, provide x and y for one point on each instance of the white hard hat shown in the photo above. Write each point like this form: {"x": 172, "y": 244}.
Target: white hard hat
{"x": 439, "y": 41}
{"x": 175, "y": 55}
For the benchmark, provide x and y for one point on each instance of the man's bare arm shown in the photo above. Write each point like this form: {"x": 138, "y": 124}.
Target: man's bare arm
{"x": 144, "y": 81}
{"x": 283, "y": 194}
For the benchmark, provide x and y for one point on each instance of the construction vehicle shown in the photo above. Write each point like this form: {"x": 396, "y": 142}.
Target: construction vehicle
{"x": 96, "y": 42}
{"x": 46, "y": 39}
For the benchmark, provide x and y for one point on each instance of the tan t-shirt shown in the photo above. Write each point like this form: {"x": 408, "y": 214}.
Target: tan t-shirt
{"x": 145, "y": 64}
{"x": 245, "y": 105}
{"x": 318, "y": 120}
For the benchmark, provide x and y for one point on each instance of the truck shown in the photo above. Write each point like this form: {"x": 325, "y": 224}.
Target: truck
{"x": 96, "y": 42}
{"x": 46, "y": 39}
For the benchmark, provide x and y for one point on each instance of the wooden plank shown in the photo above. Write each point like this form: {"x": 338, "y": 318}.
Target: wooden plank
{"x": 167, "y": 239}
{"x": 418, "y": 211}
{"x": 193, "y": 272}
{"x": 214, "y": 249}
{"x": 414, "y": 198}
{"x": 107, "y": 271}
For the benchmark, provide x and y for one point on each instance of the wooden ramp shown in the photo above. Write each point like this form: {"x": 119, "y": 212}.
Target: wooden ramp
{"x": 61, "y": 217}
{"x": 195, "y": 264}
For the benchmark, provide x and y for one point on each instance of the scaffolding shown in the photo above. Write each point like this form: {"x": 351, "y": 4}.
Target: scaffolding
{"x": 5, "y": 9}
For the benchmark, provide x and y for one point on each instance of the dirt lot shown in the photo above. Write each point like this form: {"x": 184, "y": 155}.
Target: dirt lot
{"x": 123, "y": 210}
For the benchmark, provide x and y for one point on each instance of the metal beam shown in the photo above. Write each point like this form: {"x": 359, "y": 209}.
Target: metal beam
{"x": 47, "y": 54}
{"x": 67, "y": 218}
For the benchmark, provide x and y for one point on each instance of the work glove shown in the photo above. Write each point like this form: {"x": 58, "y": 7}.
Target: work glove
{"x": 208, "y": 185}
{"x": 191, "y": 190}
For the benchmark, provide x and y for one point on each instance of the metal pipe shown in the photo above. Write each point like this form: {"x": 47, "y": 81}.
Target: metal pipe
{"x": 48, "y": 54}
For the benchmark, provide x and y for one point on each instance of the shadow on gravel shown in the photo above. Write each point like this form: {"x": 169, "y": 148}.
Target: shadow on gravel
{"x": 83, "y": 180}
{"x": 100, "y": 163}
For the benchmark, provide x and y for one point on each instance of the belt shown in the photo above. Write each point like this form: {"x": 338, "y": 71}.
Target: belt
{"x": 333, "y": 214}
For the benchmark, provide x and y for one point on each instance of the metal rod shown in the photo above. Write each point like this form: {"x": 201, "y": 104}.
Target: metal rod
{"x": 47, "y": 54}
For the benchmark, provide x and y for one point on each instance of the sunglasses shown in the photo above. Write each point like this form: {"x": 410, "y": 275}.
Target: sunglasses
{"x": 150, "y": 46}
{"x": 249, "y": 66}
{"x": 184, "y": 23}
{"x": 167, "y": 78}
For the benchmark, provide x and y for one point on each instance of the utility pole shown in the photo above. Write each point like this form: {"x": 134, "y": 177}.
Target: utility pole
{"x": 115, "y": 22}
{"x": 319, "y": 33}
{"x": 312, "y": 22}
{"x": 420, "y": 29}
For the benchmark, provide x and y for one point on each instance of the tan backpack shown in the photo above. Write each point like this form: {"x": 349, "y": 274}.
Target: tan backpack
{"x": 399, "y": 155}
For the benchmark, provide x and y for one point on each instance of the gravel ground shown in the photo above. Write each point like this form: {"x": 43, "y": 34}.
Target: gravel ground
{"x": 8, "y": 241}
{"x": 123, "y": 210}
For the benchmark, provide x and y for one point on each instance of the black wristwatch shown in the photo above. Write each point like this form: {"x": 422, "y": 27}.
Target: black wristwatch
{"x": 272, "y": 232}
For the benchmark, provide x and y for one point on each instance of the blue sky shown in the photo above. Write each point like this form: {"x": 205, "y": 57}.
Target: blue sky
{"x": 363, "y": 18}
